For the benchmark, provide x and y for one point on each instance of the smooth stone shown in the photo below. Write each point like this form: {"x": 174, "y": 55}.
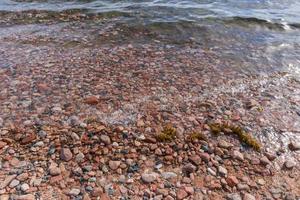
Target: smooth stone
{"x": 222, "y": 171}
{"x": 7, "y": 181}
{"x": 233, "y": 196}
{"x": 74, "y": 192}
{"x": 14, "y": 183}
{"x": 25, "y": 187}
{"x": 168, "y": 175}
{"x": 248, "y": 196}
{"x": 66, "y": 154}
{"x": 105, "y": 139}
{"x": 238, "y": 155}
{"x": 149, "y": 177}
{"x": 294, "y": 146}
{"x": 290, "y": 164}
{"x": 114, "y": 164}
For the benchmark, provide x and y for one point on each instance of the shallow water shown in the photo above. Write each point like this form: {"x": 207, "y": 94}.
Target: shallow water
{"x": 256, "y": 36}
{"x": 243, "y": 38}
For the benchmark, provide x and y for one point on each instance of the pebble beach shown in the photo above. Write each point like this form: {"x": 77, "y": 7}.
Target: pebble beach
{"x": 91, "y": 109}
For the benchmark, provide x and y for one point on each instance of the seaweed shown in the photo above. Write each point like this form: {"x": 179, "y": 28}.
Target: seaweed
{"x": 243, "y": 136}
{"x": 215, "y": 128}
{"x": 197, "y": 136}
{"x": 167, "y": 134}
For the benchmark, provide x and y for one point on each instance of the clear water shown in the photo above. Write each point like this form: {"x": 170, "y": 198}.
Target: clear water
{"x": 259, "y": 35}
{"x": 287, "y": 11}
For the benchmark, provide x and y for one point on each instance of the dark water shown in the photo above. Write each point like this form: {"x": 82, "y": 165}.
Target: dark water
{"x": 257, "y": 35}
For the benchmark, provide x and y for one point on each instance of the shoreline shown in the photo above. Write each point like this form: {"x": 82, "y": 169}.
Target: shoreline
{"x": 80, "y": 123}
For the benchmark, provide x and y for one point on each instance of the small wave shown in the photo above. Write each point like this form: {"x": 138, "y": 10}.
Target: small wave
{"x": 252, "y": 21}
{"x": 43, "y": 16}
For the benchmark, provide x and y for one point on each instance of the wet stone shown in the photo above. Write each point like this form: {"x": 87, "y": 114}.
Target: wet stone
{"x": 238, "y": 155}
{"x": 222, "y": 171}
{"x": 224, "y": 144}
{"x": 294, "y": 146}
{"x": 242, "y": 187}
{"x": 66, "y": 154}
{"x": 42, "y": 134}
{"x": 264, "y": 161}
{"x": 114, "y": 164}
{"x": 74, "y": 192}
{"x": 7, "y": 181}
{"x": 14, "y": 183}
{"x": 234, "y": 196}
{"x": 168, "y": 175}
{"x": 54, "y": 171}
{"x": 248, "y": 196}
{"x": 189, "y": 168}
{"x": 232, "y": 181}
{"x": 205, "y": 157}
{"x": 105, "y": 139}
{"x": 289, "y": 164}
{"x": 25, "y": 187}
{"x": 149, "y": 177}
{"x": 195, "y": 159}
{"x": 181, "y": 194}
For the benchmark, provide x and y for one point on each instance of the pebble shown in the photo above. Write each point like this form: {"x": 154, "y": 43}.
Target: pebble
{"x": 276, "y": 192}
{"x": 248, "y": 196}
{"x": 149, "y": 177}
{"x": 289, "y": 164}
{"x": 188, "y": 168}
{"x": 168, "y": 175}
{"x": 66, "y": 154}
{"x": 25, "y": 187}
{"x": 37, "y": 182}
{"x": 189, "y": 189}
{"x": 53, "y": 170}
{"x": 7, "y": 181}
{"x": 114, "y": 164}
{"x": 205, "y": 157}
{"x": 224, "y": 144}
{"x": 294, "y": 146}
{"x": 238, "y": 155}
{"x": 222, "y": 171}
{"x": 4, "y": 197}
{"x": 181, "y": 194}
{"x": 195, "y": 159}
{"x": 74, "y": 192}
{"x": 2, "y": 144}
{"x": 39, "y": 144}
{"x": 211, "y": 171}
{"x": 91, "y": 100}
{"x": 242, "y": 187}
{"x": 79, "y": 157}
{"x": 24, "y": 197}
{"x": 232, "y": 181}
{"x": 42, "y": 134}
{"x": 105, "y": 139}
{"x": 14, "y": 183}
{"x": 233, "y": 196}
{"x": 264, "y": 161}
{"x": 261, "y": 181}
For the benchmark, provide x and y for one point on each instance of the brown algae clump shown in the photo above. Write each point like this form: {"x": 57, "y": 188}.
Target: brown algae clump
{"x": 236, "y": 130}
{"x": 215, "y": 128}
{"x": 197, "y": 136}
{"x": 167, "y": 134}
